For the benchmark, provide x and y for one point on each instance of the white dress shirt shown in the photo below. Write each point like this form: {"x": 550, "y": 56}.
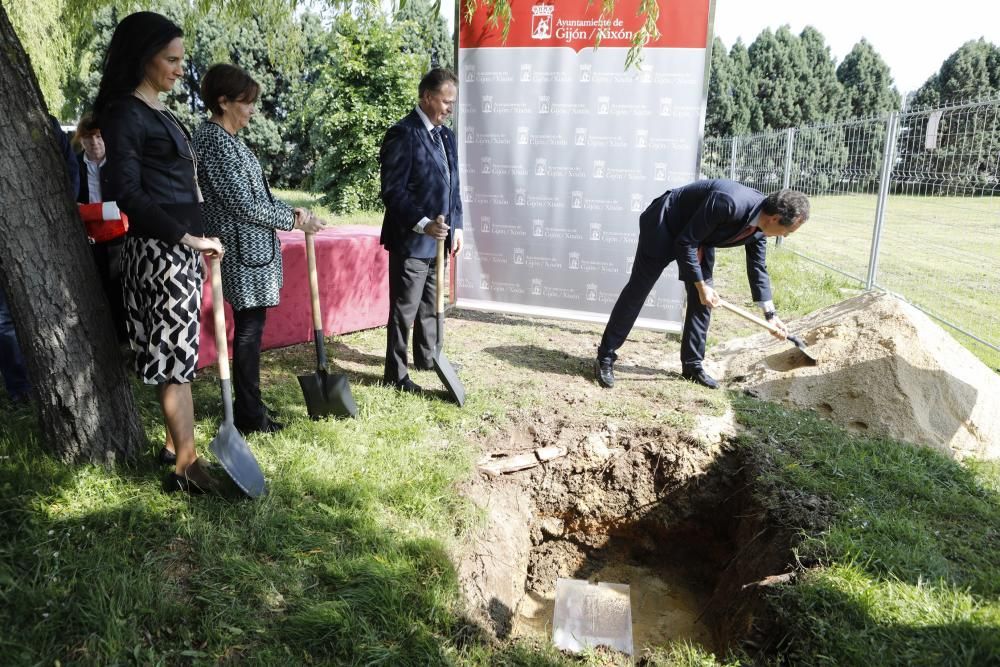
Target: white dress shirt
{"x": 94, "y": 178}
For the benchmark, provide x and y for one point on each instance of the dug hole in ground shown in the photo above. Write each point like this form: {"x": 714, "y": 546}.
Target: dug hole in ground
{"x": 658, "y": 497}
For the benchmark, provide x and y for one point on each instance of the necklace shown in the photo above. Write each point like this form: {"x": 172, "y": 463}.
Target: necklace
{"x": 158, "y": 106}
{"x": 192, "y": 155}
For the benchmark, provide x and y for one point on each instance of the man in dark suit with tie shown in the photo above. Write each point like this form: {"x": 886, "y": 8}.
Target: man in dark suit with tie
{"x": 420, "y": 190}
{"x": 687, "y": 225}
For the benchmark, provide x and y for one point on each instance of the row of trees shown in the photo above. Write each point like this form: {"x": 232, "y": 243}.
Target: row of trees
{"x": 329, "y": 87}
{"x": 787, "y": 80}
{"x": 839, "y": 111}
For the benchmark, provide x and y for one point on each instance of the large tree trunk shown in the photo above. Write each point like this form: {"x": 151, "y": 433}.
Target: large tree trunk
{"x": 86, "y": 408}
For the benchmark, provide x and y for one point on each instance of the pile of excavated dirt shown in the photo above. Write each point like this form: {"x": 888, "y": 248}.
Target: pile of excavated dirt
{"x": 885, "y": 368}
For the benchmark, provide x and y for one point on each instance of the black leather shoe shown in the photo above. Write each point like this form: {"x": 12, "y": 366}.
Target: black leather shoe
{"x": 699, "y": 376}
{"x": 407, "y": 386}
{"x": 166, "y": 457}
{"x": 605, "y": 373}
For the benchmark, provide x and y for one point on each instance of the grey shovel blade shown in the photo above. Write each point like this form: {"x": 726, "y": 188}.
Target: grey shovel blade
{"x": 449, "y": 378}
{"x": 811, "y": 360}
{"x": 327, "y": 395}
{"x": 238, "y": 461}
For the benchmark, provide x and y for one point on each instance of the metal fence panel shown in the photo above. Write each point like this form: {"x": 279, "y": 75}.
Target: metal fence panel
{"x": 906, "y": 202}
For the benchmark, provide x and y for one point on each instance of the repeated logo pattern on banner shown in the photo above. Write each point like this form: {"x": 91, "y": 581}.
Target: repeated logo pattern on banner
{"x": 562, "y": 149}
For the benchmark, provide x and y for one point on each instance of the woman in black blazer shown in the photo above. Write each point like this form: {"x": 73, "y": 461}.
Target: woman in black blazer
{"x": 151, "y": 173}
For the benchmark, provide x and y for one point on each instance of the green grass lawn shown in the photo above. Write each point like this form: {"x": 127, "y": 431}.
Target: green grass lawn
{"x": 345, "y": 561}
{"x": 300, "y": 198}
{"x": 940, "y": 253}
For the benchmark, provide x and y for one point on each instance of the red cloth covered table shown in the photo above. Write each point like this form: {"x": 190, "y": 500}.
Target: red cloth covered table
{"x": 353, "y": 290}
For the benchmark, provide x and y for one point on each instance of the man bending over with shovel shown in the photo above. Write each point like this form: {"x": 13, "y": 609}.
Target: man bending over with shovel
{"x": 687, "y": 225}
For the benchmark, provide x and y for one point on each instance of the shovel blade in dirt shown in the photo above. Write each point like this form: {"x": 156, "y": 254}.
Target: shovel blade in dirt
{"x": 808, "y": 357}
{"x": 325, "y": 394}
{"x": 229, "y": 446}
{"x": 238, "y": 461}
{"x": 445, "y": 371}
{"x": 588, "y": 615}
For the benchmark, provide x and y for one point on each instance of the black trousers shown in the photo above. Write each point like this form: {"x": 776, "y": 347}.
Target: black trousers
{"x": 412, "y": 294}
{"x": 108, "y": 257}
{"x": 248, "y": 408}
{"x": 646, "y": 270}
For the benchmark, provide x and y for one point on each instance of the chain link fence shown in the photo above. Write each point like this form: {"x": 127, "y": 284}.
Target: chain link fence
{"x": 906, "y": 203}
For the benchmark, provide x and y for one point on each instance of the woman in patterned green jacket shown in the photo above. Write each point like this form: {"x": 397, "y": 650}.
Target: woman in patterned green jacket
{"x": 240, "y": 209}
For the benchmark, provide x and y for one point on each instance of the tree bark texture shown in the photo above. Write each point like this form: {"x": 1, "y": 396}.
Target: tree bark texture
{"x": 86, "y": 408}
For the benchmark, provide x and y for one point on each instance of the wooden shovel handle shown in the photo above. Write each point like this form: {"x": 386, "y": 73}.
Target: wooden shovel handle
{"x": 314, "y": 282}
{"x": 219, "y": 315}
{"x": 750, "y": 316}
{"x": 440, "y": 276}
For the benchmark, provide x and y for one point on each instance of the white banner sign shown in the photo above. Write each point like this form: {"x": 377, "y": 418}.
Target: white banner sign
{"x": 561, "y": 150}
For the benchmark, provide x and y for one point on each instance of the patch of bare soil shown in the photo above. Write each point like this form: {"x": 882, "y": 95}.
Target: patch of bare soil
{"x": 885, "y": 368}
{"x": 644, "y": 489}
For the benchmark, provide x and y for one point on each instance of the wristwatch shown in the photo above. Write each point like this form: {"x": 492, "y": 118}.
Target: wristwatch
{"x": 769, "y": 315}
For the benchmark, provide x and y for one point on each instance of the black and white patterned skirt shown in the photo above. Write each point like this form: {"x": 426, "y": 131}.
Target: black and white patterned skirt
{"x": 162, "y": 284}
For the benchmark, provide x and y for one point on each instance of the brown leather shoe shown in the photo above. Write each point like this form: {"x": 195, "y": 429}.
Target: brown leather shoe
{"x": 196, "y": 479}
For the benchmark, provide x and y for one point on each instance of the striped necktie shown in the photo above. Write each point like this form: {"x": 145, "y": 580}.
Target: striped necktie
{"x": 436, "y": 133}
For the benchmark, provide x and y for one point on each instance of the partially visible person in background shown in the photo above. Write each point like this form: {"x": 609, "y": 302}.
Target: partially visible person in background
{"x": 12, "y": 365}
{"x": 151, "y": 172}
{"x": 91, "y": 161}
{"x": 107, "y": 254}
{"x": 240, "y": 209}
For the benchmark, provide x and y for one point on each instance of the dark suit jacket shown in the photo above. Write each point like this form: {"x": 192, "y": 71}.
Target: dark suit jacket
{"x": 706, "y": 215}
{"x": 414, "y": 186}
{"x": 149, "y": 171}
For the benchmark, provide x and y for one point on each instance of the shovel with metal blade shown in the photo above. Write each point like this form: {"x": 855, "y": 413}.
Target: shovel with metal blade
{"x": 229, "y": 446}
{"x": 445, "y": 372}
{"x": 810, "y": 358}
{"x": 325, "y": 394}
